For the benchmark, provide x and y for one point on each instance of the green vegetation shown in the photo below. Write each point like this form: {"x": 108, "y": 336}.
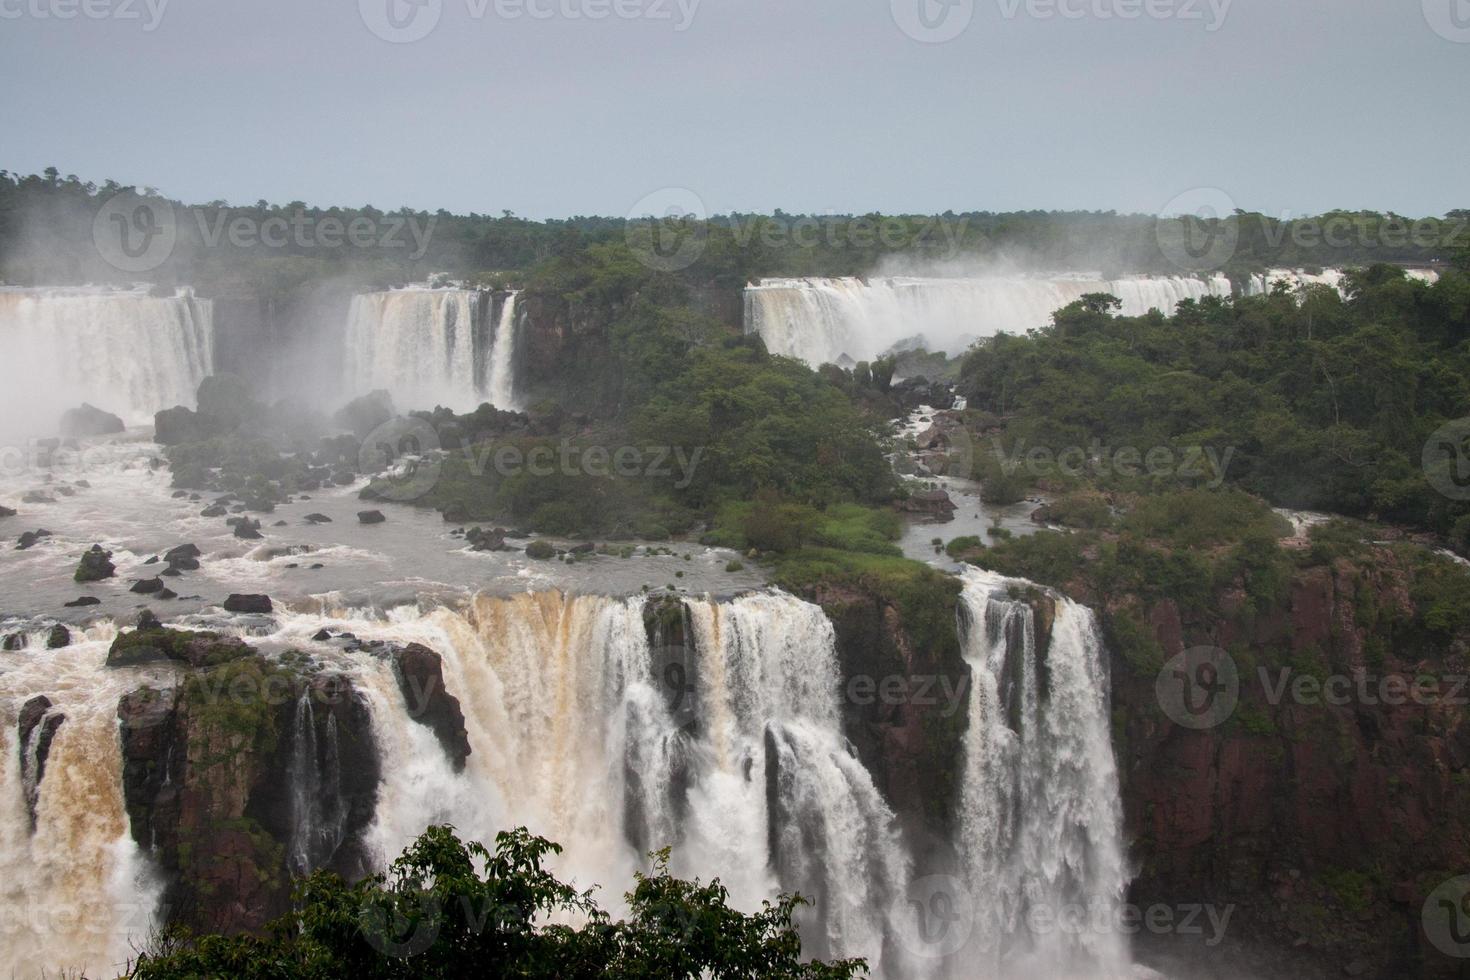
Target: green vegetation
{"x": 449, "y": 909}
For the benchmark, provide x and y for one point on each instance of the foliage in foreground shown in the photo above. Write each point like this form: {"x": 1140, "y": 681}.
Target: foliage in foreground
{"x": 449, "y": 909}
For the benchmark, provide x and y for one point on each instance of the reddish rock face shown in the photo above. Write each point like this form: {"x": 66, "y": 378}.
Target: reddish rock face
{"x": 1326, "y": 825}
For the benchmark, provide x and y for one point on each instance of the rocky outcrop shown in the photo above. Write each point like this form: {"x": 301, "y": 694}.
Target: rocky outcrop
{"x": 935, "y": 503}
{"x": 210, "y": 769}
{"x": 88, "y": 421}
{"x": 95, "y": 565}
{"x": 259, "y": 604}
{"x": 420, "y": 673}
{"x": 35, "y": 730}
{"x": 1324, "y": 816}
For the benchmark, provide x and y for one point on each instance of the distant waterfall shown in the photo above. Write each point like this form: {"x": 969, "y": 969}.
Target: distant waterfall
{"x": 1298, "y": 280}
{"x": 125, "y": 351}
{"x": 432, "y": 347}
{"x": 821, "y": 320}
{"x": 1040, "y": 830}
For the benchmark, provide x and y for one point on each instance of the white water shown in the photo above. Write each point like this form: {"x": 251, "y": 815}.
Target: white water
{"x": 124, "y": 351}
{"x": 426, "y": 348}
{"x": 77, "y": 894}
{"x": 820, "y": 320}
{"x": 1040, "y": 819}
{"x": 1298, "y": 280}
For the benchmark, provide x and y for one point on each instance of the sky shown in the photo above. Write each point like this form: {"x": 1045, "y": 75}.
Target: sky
{"x": 551, "y": 108}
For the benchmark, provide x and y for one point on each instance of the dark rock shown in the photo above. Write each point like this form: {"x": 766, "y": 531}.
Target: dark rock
{"x": 66, "y": 491}
{"x": 6, "y": 512}
{"x": 237, "y": 603}
{"x": 147, "y": 586}
{"x": 86, "y": 600}
{"x": 166, "y": 593}
{"x": 279, "y": 524}
{"x": 148, "y": 621}
{"x": 370, "y": 517}
{"x": 322, "y": 635}
{"x": 585, "y": 548}
{"x": 363, "y": 415}
{"x": 152, "y": 561}
{"x": 37, "y": 730}
{"x": 481, "y": 540}
{"x": 933, "y": 502}
{"x": 176, "y": 425}
{"x": 179, "y": 494}
{"x": 30, "y": 538}
{"x": 95, "y": 566}
{"x": 248, "y": 529}
{"x": 317, "y": 519}
{"x": 37, "y": 497}
{"x": 197, "y": 649}
{"x": 83, "y": 484}
{"x": 214, "y": 510}
{"x": 88, "y": 420}
{"x": 420, "y": 674}
{"x": 540, "y": 549}
{"x": 59, "y": 637}
{"x": 172, "y": 572}
{"x": 15, "y": 641}
{"x": 174, "y": 556}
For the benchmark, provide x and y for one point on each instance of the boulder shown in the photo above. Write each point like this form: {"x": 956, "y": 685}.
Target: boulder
{"x": 540, "y": 549}
{"x": 37, "y": 497}
{"x": 585, "y": 548}
{"x": 176, "y": 425}
{"x": 237, "y": 603}
{"x": 370, "y": 517}
{"x": 184, "y": 552}
{"x": 58, "y": 637}
{"x": 6, "y": 512}
{"x": 37, "y": 730}
{"x": 317, "y": 519}
{"x": 248, "y": 529}
{"x": 213, "y": 510}
{"x": 95, "y": 565}
{"x": 31, "y": 538}
{"x": 154, "y": 644}
{"x": 482, "y": 540}
{"x": 933, "y": 502}
{"x": 363, "y": 415}
{"x": 147, "y": 586}
{"x": 420, "y": 673}
{"x": 80, "y": 601}
{"x": 15, "y": 641}
{"x": 88, "y": 420}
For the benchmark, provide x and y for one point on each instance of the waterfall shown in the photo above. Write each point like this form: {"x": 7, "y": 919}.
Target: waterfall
{"x": 1040, "y": 829}
{"x": 821, "y": 320}
{"x": 1299, "y": 279}
{"x": 125, "y": 351}
{"x": 318, "y": 818}
{"x": 78, "y": 896}
{"x": 428, "y": 347}
{"x": 500, "y": 389}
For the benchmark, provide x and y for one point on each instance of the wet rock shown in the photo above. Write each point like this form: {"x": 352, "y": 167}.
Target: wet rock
{"x": 166, "y": 593}
{"x": 248, "y": 529}
{"x": 176, "y": 425}
{"x": 67, "y": 491}
{"x": 238, "y": 603}
{"x": 322, "y": 635}
{"x": 154, "y": 644}
{"x": 482, "y": 540}
{"x": 148, "y": 621}
{"x": 37, "y": 729}
{"x": 317, "y": 519}
{"x": 80, "y": 601}
{"x": 83, "y": 484}
{"x": 152, "y": 561}
{"x": 31, "y": 538}
{"x": 95, "y": 566}
{"x": 59, "y": 637}
{"x": 37, "y": 497}
{"x": 370, "y": 517}
{"x": 172, "y": 572}
{"x": 15, "y": 641}
{"x": 6, "y": 512}
{"x": 585, "y": 548}
{"x": 214, "y": 510}
{"x": 147, "y": 586}
{"x": 420, "y": 673}
{"x": 933, "y": 502}
{"x": 174, "y": 556}
{"x": 541, "y": 550}
{"x": 179, "y": 494}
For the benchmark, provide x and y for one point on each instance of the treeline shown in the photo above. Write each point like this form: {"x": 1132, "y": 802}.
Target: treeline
{"x": 1321, "y": 402}
{"x": 47, "y": 238}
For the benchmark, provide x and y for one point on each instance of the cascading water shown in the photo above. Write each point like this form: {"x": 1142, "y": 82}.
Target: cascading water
{"x": 821, "y": 320}
{"x": 126, "y": 351}
{"x": 1040, "y": 829}
{"x": 77, "y": 896}
{"x": 1298, "y": 280}
{"x": 430, "y": 347}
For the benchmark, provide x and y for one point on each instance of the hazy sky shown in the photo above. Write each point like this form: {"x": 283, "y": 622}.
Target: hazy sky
{"x": 807, "y": 105}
